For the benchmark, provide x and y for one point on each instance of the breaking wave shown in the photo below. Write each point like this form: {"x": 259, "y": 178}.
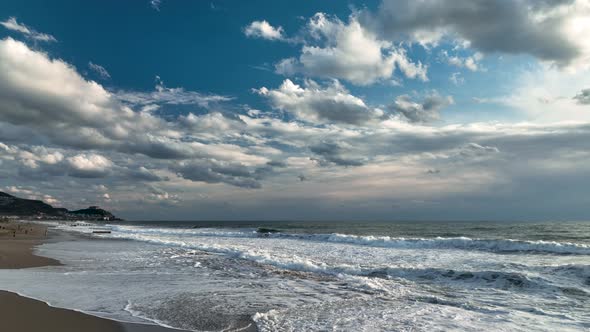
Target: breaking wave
{"x": 462, "y": 243}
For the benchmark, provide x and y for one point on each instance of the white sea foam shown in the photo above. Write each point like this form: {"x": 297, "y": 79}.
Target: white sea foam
{"x": 463, "y": 243}
{"x": 309, "y": 282}
{"x": 271, "y": 251}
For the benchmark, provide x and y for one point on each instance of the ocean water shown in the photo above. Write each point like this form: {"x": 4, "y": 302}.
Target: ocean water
{"x": 309, "y": 276}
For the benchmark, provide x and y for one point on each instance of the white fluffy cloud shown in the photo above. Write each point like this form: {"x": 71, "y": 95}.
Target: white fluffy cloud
{"x": 470, "y": 62}
{"x": 263, "y": 29}
{"x": 49, "y": 97}
{"x": 36, "y": 157}
{"x": 31, "y": 193}
{"x": 333, "y": 104}
{"x": 349, "y": 51}
{"x": 315, "y": 103}
{"x": 55, "y": 124}
{"x": 36, "y": 90}
{"x": 89, "y": 165}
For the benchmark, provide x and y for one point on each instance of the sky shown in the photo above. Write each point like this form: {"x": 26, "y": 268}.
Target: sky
{"x": 299, "y": 110}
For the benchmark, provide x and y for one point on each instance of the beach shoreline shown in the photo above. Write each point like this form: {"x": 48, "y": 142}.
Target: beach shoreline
{"x": 24, "y": 314}
{"x": 17, "y": 243}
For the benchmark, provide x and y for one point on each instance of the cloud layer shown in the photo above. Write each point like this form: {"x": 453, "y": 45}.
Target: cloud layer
{"x": 355, "y": 125}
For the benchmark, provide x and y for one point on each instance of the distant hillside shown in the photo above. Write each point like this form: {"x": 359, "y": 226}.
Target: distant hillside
{"x": 94, "y": 210}
{"x": 21, "y": 207}
{"x": 10, "y": 205}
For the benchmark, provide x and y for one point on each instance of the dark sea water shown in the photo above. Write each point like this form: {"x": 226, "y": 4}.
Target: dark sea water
{"x": 324, "y": 276}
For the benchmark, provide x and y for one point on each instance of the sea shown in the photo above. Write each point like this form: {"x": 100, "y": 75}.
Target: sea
{"x": 321, "y": 276}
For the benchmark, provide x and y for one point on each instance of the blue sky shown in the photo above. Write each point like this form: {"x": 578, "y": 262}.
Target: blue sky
{"x": 385, "y": 109}
{"x": 200, "y": 45}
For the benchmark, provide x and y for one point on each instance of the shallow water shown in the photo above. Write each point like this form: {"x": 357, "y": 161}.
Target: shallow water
{"x": 324, "y": 276}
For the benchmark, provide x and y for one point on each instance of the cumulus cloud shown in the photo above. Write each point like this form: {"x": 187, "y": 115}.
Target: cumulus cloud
{"x": 334, "y": 153}
{"x": 89, "y": 166}
{"x": 332, "y": 104}
{"x": 57, "y": 103}
{"x": 426, "y": 110}
{"x": 341, "y": 133}
{"x": 31, "y": 193}
{"x": 474, "y": 158}
{"x": 85, "y": 115}
{"x": 65, "y": 125}
{"x": 160, "y": 196}
{"x": 583, "y": 97}
{"x": 40, "y": 162}
{"x": 548, "y": 30}
{"x": 84, "y": 108}
{"x": 263, "y": 29}
{"x": 12, "y": 24}
{"x": 33, "y": 161}
{"x": 470, "y": 62}
{"x": 100, "y": 70}
{"x": 210, "y": 125}
{"x": 348, "y": 51}
{"x": 312, "y": 102}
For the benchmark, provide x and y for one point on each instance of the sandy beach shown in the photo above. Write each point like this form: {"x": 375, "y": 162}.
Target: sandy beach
{"x": 18, "y": 313}
{"x": 16, "y": 245}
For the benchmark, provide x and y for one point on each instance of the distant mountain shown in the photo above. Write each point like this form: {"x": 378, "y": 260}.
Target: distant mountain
{"x": 10, "y": 205}
{"x": 21, "y": 207}
{"x": 94, "y": 211}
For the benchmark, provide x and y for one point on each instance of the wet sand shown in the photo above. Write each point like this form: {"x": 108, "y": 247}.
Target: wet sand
{"x": 17, "y": 241}
{"x": 18, "y": 313}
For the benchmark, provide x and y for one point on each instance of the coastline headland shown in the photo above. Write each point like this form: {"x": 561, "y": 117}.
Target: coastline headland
{"x": 15, "y": 208}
